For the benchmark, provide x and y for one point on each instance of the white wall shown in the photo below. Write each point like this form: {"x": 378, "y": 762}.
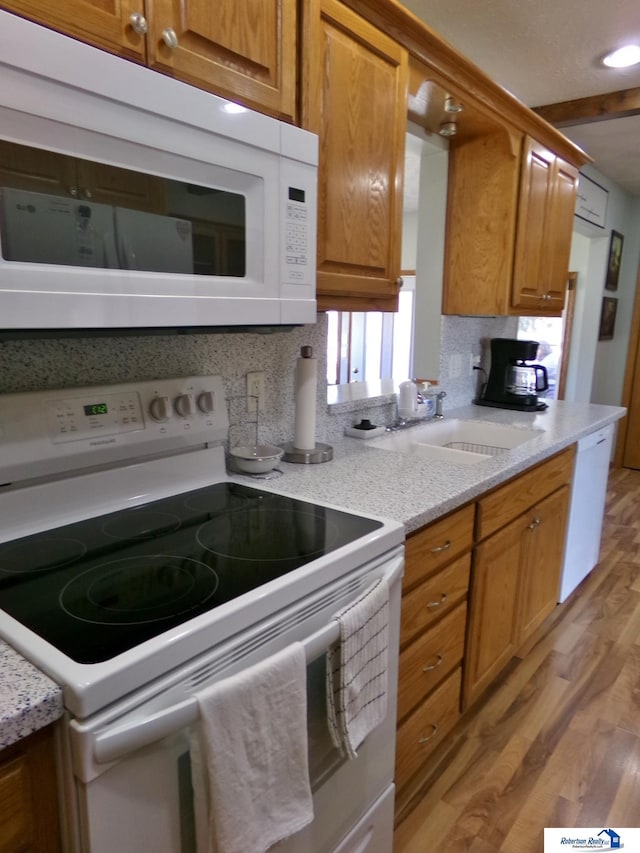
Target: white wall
{"x": 596, "y": 368}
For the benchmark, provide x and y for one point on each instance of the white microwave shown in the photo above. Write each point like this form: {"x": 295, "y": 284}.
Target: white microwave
{"x": 130, "y": 200}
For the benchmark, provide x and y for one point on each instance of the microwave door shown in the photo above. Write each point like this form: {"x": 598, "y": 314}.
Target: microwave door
{"x": 49, "y": 229}
{"x": 153, "y": 242}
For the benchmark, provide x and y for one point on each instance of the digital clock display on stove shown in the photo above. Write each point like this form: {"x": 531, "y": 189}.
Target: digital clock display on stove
{"x": 95, "y": 409}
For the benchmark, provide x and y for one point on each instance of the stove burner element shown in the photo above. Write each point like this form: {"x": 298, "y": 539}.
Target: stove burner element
{"x": 139, "y": 524}
{"x": 136, "y": 590}
{"x": 41, "y": 555}
{"x": 266, "y": 535}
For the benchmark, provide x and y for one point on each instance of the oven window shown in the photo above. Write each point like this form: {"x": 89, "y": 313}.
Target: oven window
{"x": 56, "y": 209}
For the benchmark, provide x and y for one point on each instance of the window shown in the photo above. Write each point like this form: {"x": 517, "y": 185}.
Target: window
{"x": 363, "y": 346}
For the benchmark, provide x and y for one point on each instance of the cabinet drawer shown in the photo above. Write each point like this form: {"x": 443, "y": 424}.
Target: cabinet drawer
{"x": 511, "y": 500}
{"x": 440, "y": 542}
{"x": 427, "y": 727}
{"x": 425, "y": 662}
{"x": 428, "y": 602}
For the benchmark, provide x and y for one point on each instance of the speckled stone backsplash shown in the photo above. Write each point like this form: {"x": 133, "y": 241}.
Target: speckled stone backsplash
{"x": 464, "y": 337}
{"x": 37, "y": 364}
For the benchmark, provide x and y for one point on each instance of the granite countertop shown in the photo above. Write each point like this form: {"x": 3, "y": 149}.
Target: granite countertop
{"x": 416, "y": 491}
{"x": 29, "y": 700}
{"x": 360, "y": 478}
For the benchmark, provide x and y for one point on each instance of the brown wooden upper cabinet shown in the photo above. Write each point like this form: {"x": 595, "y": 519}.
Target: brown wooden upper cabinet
{"x": 509, "y": 225}
{"x": 244, "y": 50}
{"x": 545, "y": 224}
{"x": 355, "y": 97}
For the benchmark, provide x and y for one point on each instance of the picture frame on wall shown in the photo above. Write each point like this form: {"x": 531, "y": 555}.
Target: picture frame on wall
{"x": 615, "y": 259}
{"x": 607, "y": 318}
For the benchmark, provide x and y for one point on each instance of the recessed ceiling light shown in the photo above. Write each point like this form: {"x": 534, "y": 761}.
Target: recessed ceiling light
{"x": 623, "y": 57}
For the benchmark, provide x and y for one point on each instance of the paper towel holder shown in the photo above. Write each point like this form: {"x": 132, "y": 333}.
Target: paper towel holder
{"x": 320, "y": 453}
{"x": 305, "y": 396}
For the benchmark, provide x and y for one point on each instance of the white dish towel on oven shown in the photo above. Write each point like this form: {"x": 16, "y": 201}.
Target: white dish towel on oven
{"x": 249, "y": 762}
{"x": 357, "y": 669}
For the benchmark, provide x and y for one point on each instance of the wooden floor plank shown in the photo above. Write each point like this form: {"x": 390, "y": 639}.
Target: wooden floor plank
{"x": 556, "y": 742}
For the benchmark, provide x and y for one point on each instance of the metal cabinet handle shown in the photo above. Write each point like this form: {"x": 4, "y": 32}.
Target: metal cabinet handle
{"x": 170, "y": 38}
{"x": 436, "y": 729}
{"x": 138, "y": 23}
{"x": 433, "y": 604}
{"x": 440, "y": 548}
{"x": 428, "y": 667}
{"x": 73, "y": 191}
{"x": 534, "y": 523}
{"x": 399, "y": 281}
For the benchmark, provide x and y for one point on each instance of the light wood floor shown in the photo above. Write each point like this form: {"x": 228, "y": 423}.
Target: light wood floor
{"x": 557, "y": 742}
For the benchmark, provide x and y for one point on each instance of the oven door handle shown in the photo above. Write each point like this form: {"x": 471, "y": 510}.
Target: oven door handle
{"x": 122, "y": 740}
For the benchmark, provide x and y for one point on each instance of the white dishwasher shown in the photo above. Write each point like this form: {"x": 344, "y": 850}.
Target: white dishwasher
{"x": 586, "y": 510}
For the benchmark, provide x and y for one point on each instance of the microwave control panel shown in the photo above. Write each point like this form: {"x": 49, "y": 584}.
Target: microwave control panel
{"x": 298, "y": 198}
{"x": 297, "y": 237}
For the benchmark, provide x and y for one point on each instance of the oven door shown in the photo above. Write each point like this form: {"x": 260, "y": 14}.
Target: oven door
{"x": 129, "y": 782}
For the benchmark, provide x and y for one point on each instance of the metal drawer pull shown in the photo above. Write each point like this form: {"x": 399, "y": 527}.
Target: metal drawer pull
{"x": 439, "y": 548}
{"x": 433, "y": 604}
{"x": 436, "y": 729}
{"x": 429, "y": 667}
{"x": 534, "y": 523}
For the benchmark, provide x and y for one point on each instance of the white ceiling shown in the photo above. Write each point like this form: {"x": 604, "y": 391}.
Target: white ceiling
{"x": 548, "y": 51}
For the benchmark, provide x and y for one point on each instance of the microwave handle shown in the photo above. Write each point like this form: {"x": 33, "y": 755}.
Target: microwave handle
{"x": 122, "y": 740}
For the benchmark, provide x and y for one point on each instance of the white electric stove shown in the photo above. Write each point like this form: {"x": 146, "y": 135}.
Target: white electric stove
{"x": 134, "y": 570}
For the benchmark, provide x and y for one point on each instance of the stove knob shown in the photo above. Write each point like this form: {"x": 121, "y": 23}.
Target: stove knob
{"x": 160, "y": 409}
{"x": 185, "y": 405}
{"x": 207, "y": 402}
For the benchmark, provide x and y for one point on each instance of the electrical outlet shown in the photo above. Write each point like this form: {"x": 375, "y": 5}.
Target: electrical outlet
{"x": 455, "y": 365}
{"x": 255, "y": 391}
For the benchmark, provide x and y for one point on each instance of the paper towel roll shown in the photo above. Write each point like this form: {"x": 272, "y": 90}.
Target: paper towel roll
{"x": 304, "y": 436}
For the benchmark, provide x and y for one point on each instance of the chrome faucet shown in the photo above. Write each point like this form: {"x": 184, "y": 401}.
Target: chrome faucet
{"x": 403, "y": 423}
{"x": 439, "y": 398}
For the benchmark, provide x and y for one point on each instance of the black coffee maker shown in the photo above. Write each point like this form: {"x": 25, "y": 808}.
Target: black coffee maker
{"x": 512, "y": 383}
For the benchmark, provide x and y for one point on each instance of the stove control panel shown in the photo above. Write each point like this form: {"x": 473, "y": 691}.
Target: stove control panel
{"x": 46, "y": 432}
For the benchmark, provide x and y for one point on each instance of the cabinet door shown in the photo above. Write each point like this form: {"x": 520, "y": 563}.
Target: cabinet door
{"x": 492, "y": 627}
{"x": 543, "y": 549}
{"x": 28, "y": 797}
{"x": 355, "y": 98}
{"x": 244, "y": 50}
{"x": 545, "y": 222}
{"x": 557, "y": 240}
{"x": 482, "y": 200}
{"x": 103, "y": 23}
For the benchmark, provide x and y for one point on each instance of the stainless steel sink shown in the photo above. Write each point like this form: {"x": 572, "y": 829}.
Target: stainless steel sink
{"x": 458, "y": 441}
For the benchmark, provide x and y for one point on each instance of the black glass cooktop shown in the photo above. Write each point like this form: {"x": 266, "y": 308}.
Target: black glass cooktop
{"x": 96, "y": 588}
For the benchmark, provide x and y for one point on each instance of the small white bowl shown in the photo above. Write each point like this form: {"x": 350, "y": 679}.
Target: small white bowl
{"x": 257, "y": 459}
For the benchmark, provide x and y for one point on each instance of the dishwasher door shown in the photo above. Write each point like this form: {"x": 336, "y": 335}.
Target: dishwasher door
{"x": 586, "y": 511}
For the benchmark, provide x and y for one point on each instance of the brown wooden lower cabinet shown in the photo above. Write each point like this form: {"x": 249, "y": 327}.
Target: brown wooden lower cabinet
{"x": 426, "y": 662}
{"x": 477, "y": 584}
{"x": 426, "y": 728}
{"x": 29, "y": 820}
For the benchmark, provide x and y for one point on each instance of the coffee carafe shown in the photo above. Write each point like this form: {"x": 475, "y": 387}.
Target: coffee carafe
{"x": 512, "y": 383}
